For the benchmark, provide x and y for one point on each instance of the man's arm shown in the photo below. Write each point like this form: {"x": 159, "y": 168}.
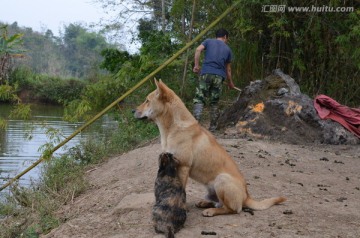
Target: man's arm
{"x": 198, "y": 51}
{"x": 228, "y": 75}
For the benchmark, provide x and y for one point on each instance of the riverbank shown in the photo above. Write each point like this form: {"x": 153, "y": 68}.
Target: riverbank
{"x": 321, "y": 183}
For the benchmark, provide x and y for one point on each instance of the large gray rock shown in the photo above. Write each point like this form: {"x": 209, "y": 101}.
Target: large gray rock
{"x": 275, "y": 108}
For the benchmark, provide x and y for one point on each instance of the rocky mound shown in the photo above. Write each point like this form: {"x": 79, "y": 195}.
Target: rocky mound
{"x": 275, "y": 108}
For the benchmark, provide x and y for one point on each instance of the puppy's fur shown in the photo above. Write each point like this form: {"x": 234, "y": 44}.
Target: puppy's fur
{"x": 169, "y": 211}
{"x": 200, "y": 156}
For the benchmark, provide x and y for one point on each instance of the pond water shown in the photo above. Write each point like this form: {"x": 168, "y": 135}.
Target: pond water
{"x": 21, "y": 141}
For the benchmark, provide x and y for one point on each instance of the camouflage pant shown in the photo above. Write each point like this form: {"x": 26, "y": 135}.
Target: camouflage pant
{"x": 209, "y": 86}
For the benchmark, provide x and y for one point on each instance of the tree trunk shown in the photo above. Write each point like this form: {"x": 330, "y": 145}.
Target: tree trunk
{"x": 163, "y": 18}
{"x": 187, "y": 51}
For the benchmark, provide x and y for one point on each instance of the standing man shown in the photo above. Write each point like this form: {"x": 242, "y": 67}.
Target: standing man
{"x": 215, "y": 69}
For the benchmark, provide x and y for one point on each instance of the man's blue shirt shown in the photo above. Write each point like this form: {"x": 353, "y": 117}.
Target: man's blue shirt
{"x": 217, "y": 55}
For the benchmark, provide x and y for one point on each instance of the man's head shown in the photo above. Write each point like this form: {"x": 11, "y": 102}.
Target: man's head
{"x": 222, "y": 33}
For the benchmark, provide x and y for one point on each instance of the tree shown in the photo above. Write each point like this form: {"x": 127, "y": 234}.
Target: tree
{"x": 312, "y": 47}
{"x": 75, "y": 53}
{"x": 114, "y": 59}
{"x": 10, "y": 47}
{"x": 82, "y": 50}
{"x": 319, "y": 49}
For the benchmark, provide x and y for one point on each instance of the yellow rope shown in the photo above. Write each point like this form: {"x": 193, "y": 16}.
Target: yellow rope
{"x": 88, "y": 123}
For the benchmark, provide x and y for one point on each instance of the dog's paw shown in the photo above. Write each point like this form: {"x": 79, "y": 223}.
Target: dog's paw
{"x": 208, "y": 212}
{"x": 205, "y": 204}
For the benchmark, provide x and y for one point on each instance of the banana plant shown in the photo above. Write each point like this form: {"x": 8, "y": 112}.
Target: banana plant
{"x": 10, "y": 47}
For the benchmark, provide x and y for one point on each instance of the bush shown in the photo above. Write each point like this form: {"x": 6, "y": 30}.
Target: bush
{"x": 44, "y": 88}
{"x": 131, "y": 132}
{"x": 57, "y": 90}
{"x": 94, "y": 98}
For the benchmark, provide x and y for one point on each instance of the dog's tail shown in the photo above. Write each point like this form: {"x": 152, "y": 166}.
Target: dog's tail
{"x": 263, "y": 204}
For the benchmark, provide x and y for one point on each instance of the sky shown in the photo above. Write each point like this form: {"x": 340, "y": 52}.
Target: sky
{"x": 41, "y": 15}
{"x": 51, "y": 14}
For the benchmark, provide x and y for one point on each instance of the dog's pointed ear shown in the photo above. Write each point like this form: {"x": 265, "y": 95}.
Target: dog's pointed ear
{"x": 161, "y": 90}
{"x": 157, "y": 83}
{"x": 158, "y": 88}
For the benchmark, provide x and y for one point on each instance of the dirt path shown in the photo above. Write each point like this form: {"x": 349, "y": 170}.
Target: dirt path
{"x": 322, "y": 184}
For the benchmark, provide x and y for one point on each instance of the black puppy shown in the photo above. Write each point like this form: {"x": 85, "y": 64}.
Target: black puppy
{"x": 169, "y": 211}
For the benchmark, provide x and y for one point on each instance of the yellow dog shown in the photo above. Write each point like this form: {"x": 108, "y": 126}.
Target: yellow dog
{"x": 201, "y": 157}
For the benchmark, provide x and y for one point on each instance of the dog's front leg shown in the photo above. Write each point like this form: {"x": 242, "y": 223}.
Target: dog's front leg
{"x": 184, "y": 175}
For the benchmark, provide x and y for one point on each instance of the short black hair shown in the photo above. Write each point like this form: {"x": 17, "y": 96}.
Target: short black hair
{"x": 221, "y": 33}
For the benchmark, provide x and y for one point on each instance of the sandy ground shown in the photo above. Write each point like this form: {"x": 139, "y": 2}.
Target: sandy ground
{"x": 321, "y": 182}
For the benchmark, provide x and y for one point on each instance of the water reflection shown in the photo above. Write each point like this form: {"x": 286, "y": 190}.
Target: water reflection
{"x": 17, "y": 151}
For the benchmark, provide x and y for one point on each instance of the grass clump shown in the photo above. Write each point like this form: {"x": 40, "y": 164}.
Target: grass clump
{"x": 29, "y": 212}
